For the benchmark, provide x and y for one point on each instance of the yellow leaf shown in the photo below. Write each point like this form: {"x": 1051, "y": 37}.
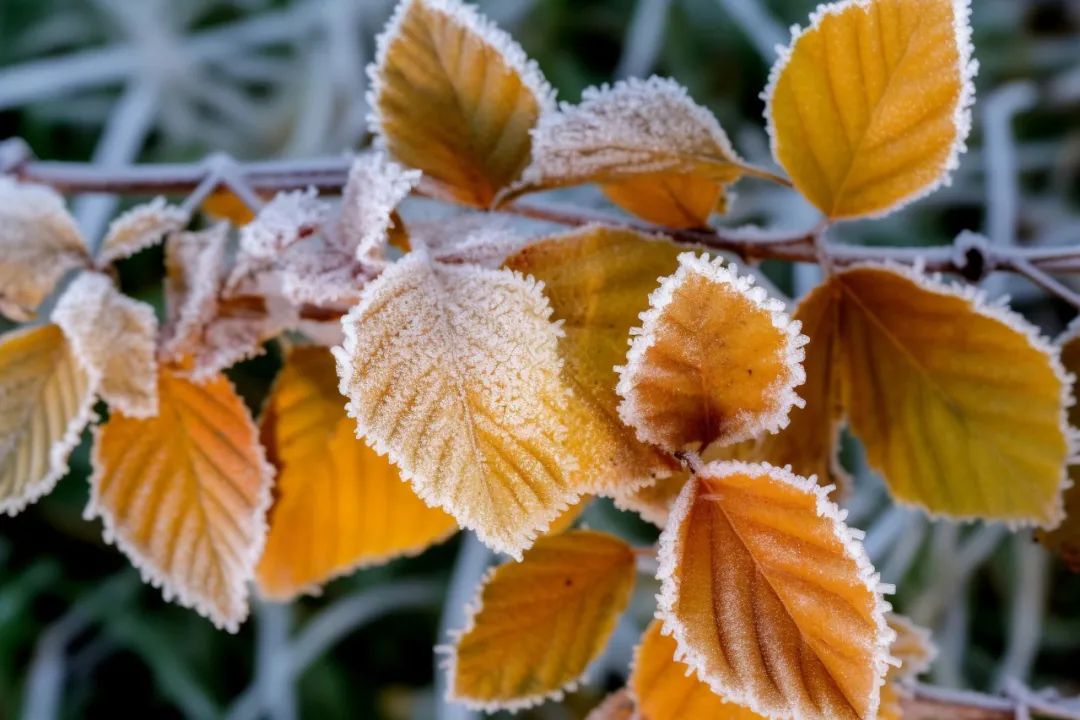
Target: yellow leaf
{"x": 455, "y": 97}
{"x": 868, "y": 110}
{"x": 184, "y": 495}
{"x": 114, "y": 336}
{"x": 339, "y": 506}
{"x": 46, "y": 399}
{"x": 540, "y": 622}
{"x": 770, "y": 597}
{"x": 656, "y": 152}
{"x": 454, "y": 372}
{"x": 715, "y": 360}
{"x": 139, "y": 228}
{"x": 39, "y": 244}
{"x": 619, "y": 705}
{"x": 598, "y": 281}
{"x": 667, "y": 689}
{"x": 224, "y": 204}
{"x": 670, "y": 200}
{"x": 1065, "y": 538}
{"x": 959, "y": 404}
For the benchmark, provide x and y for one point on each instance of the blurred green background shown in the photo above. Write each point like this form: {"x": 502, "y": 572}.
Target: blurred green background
{"x": 160, "y": 80}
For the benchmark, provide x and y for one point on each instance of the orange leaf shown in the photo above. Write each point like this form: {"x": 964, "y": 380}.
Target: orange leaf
{"x": 340, "y": 506}
{"x": 539, "y": 623}
{"x": 770, "y": 597}
{"x": 1065, "y": 538}
{"x": 715, "y": 360}
{"x": 455, "y": 97}
{"x": 224, "y": 204}
{"x": 666, "y": 689}
{"x": 868, "y": 110}
{"x": 670, "y": 200}
{"x": 913, "y": 647}
{"x": 184, "y": 495}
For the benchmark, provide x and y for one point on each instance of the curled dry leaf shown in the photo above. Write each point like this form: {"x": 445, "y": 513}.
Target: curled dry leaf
{"x": 46, "y": 399}
{"x": 619, "y": 705}
{"x": 454, "y": 372}
{"x": 715, "y": 360}
{"x": 185, "y": 494}
{"x": 140, "y": 227}
{"x": 598, "y": 281}
{"x": 114, "y": 337}
{"x": 339, "y": 506}
{"x": 455, "y": 97}
{"x": 375, "y": 188}
{"x": 869, "y": 108}
{"x": 667, "y": 689}
{"x": 654, "y": 151}
{"x": 1065, "y": 538}
{"x": 539, "y": 623}
{"x": 770, "y": 597}
{"x": 928, "y": 351}
{"x": 39, "y": 243}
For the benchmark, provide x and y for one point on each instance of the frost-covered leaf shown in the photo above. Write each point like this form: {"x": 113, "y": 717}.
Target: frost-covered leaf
{"x": 598, "y": 280}
{"x": 114, "y": 337}
{"x": 667, "y": 689}
{"x": 656, "y": 152}
{"x": 455, "y": 97}
{"x": 185, "y": 494}
{"x": 913, "y": 648}
{"x": 770, "y": 597}
{"x": 619, "y": 705}
{"x": 46, "y": 399}
{"x": 375, "y": 188}
{"x": 715, "y": 360}
{"x": 39, "y": 243}
{"x": 478, "y": 239}
{"x": 868, "y": 110}
{"x": 339, "y": 505}
{"x": 1065, "y": 538}
{"x": 918, "y": 358}
{"x": 140, "y": 227}
{"x": 539, "y": 623}
{"x": 454, "y": 372}
{"x": 288, "y": 218}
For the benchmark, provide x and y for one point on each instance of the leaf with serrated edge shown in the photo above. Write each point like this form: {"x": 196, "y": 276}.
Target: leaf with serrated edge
{"x": 454, "y": 372}
{"x": 46, "y": 399}
{"x": 869, "y": 108}
{"x": 140, "y": 227}
{"x": 1065, "y": 538}
{"x": 715, "y": 360}
{"x": 666, "y": 689}
{"x": 184, "y": 495}
{"x": 339, "y": 506}
{"x": 770, "y": 597}
{"x": 960, "y": 404}
{"x": 39, "y": 243}
{"x": 539, "y": 623}
{"x": 114, "y": 336}
{"x": 598, "y": 281}
{"x": 656, "y": 152}
{"x": 455, "y": 97}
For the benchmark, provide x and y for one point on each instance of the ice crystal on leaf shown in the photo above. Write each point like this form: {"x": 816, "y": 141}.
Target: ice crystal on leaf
{"x": 376, "y": 186}
{"x": 139, "y": 228}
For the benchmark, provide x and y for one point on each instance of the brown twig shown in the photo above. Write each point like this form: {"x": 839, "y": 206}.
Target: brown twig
{"x": 927, "y": 702}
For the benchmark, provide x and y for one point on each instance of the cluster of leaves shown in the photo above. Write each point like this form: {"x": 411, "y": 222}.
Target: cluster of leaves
{"x": 491, "y": 372}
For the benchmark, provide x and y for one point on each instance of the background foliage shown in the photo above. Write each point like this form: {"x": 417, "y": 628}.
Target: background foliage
{"x": 154, "y": 80}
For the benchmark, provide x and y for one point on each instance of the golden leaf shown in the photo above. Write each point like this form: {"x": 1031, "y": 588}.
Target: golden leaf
{"x": 455, "y": 97}
{"x": 224, "y": 204}
{"x": 959, "y": 404}
{"x": 868, "y": 110}
{"x": 540, "y": 622}
{"x": 913, "y": 647}
{"x": 46, "y": 399}
{"x": 114, "y": 336}
{"x": 619, "y": 705}
{"x": 667, "y": 689}
{"x": 184, "y": 495}
{"x": 770, "y": 597}
{"x": 715, "y": 360}
{"x": 1065, "y": 538}
{"x": 339, "y": 506}
{"x": 454, "y": 372}
{"x": 598, "y": 281}
{"x": 39, "y": 244}
{"x": 656, "y": 152}
{"x": 140, "y": 227}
